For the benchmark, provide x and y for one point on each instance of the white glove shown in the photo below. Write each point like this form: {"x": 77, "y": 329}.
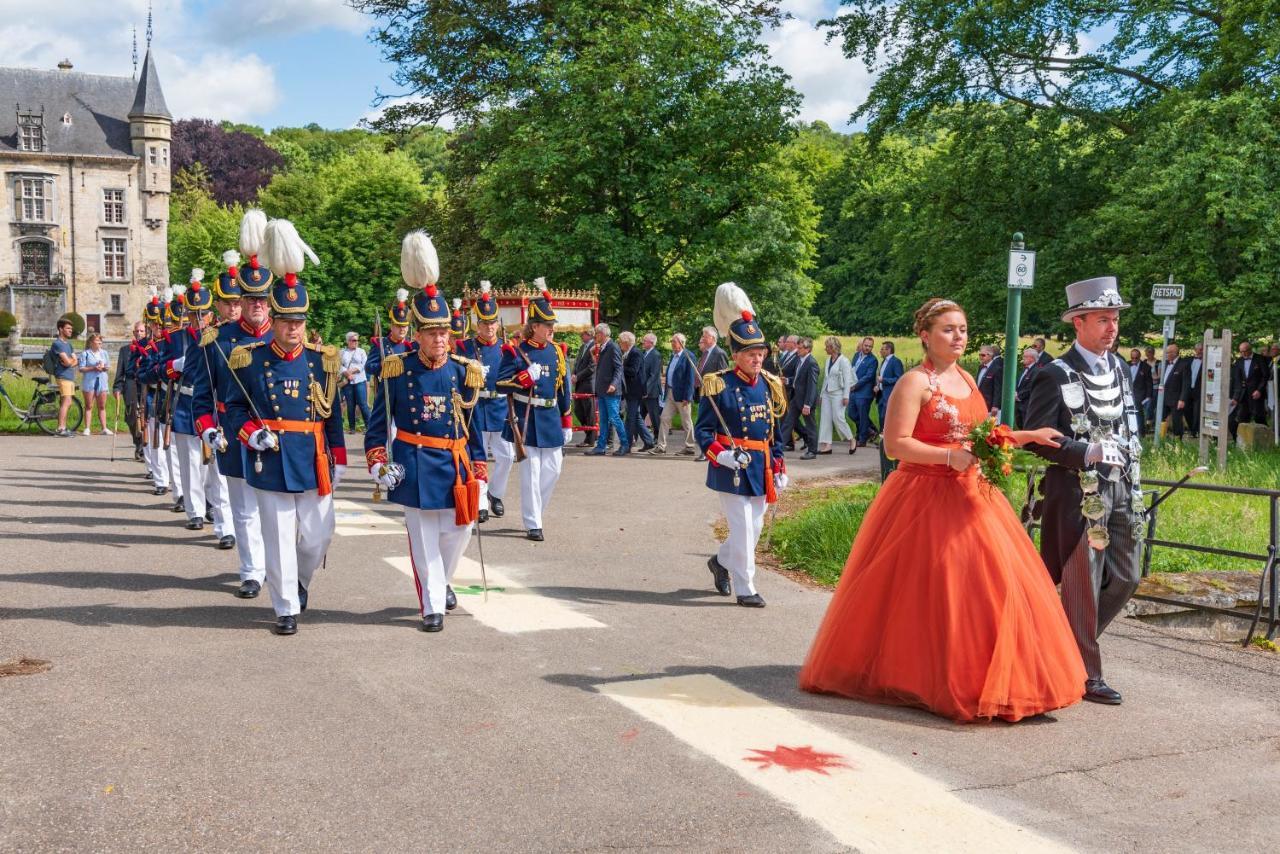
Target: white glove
{"x": 213, "y": 439}
{"x": 263, "y": 439}
{"x": 780, "y": 481}
{"x": 568, "y": 435}
{"x": 535, "y": 371}
{"x": 484, "y": 371}
{"x": 387, "y": 475}
{"x": 338, "y": 471}
{"x": 727, "y": 459}
{"x": 178, "y": 363}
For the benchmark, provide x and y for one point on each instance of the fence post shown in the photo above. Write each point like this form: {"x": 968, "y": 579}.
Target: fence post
{"x": 1151, "y": 535}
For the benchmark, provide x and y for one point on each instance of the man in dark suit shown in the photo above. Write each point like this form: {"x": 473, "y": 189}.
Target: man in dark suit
{"x": 1042, "y": 355}
{"x": 1191, "y": 391}
{"x": 801, "y": 413}
{"x": 651, "y": 379}
{"x": 1176, "y": 371}
{"x": 1022, "y": 390}
{"x": 990, "y": 376}
{"x": 607, "y": 385}
{"x": 710, "y": 359}
{"x": 1249, "y": 376}
{"x": 787, "y": 370}
{"x": 887, "y": 377}
{"x": 584, "y": 368}
{"x": 633, "y": 391}
{"x": 126, "y": 387}
{"x": 1141, "y": 383}
{"x": 863, "y": 392}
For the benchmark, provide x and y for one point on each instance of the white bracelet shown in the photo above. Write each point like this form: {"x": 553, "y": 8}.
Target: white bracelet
{"x": 948, "y": 458}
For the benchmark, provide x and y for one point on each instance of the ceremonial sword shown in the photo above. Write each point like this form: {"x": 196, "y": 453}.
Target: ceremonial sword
{"x": 386, "y": 400}
{"x": 253, "y": 410}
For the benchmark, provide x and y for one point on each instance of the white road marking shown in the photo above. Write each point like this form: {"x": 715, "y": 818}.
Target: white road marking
{"x": 512, "y": 608}
{"x": 352, "y": 519}
{"x": 862, "y": 797}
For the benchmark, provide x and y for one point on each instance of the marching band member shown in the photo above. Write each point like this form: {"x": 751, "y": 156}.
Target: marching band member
{"x": 533, "y": 373}
{"x": 396, "y": 340}
{"x": 491, "y": 412}
{"x": 437, "y": 459}
{"x": 280, "y": 406}
{"x": 159, "y": 371}
{"x": 737, "y": 431}
{"x": 140, "y": 359}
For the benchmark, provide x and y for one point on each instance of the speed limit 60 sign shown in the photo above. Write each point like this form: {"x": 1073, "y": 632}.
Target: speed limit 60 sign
{"x": 1022, "y": 269}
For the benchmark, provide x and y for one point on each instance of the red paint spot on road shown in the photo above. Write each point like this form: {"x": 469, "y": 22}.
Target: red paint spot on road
{"x": 797, "y": 759}
{"x": 630, "y": 735}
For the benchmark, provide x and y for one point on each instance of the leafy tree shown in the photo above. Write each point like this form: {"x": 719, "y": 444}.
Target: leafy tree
{"x": 238, "y": 164}
{"x": 200, "y": 229}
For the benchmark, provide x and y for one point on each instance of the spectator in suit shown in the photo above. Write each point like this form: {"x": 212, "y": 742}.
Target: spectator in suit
{"x": 652, "y": 382}
{"x": 1191, "y": 391}
{"x": 800, "y": 417}
{"x": 788, "y": 367}
{"x": 126, "y": 387}
{"x": 836, "y": 382}
{"x": 680, "y": 390}
{"x": 1142, "y": 385}
{"x": 1249, "y": 375}
{"x": 1175, "y": 381}
{"x": 862, "y": 394}
{"x": 1149, "y": 356}
{"x": 711, "y": 359}
{"x": 584, "y": 370}
{"x": 607, "y": 385}
{"x": 1022, "y": 391}
{"x": 887, "y": 377}
{"x": 633, "y": 391}
{"x": 990, "y": 376}
{"x": 1042, "y": 355}
{"x": 786, "y": 352}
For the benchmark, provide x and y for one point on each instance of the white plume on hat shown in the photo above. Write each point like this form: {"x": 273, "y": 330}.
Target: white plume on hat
{"x": 285, "y": 250}
{"x": 197, "y": 274}
{"x": 179, "y": 291}
{"x": 168, "y": 294}
{"x": 230, "y": 258}
{"x": 154, "y": 292}
{"x": 253, "y": 227}
{"x": 540, "y": 283}
{"x": 419, "y": 264}
{"x": 402, "y": 296}
{"x": 485, "y": 287}
{"x": 457, "y": 303}
{"x": 732, "y": 303}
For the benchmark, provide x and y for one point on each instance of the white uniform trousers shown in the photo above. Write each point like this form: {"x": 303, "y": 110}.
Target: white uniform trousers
{"x": 538, "y": 478}
{"x": 154, "y": 457}
{"x": 436, "y": 545}
{"x": 243, "y": 499}
{"x": 502, "y": 456}
{"x": 203, "y": 486}
{"x": 170, "y": 462}
{"x": 296, "y": 530}
{"x": 832, "y": 413}
{"x": 745, "y": 515}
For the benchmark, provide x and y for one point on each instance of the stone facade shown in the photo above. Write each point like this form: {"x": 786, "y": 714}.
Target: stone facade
{"x": 85, "y": 198}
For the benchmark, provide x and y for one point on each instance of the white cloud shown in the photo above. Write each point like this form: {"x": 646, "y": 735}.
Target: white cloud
{"x": 218, "y": 85}
{"x": 254, "y": 19}
{"x": 832, "y": 85}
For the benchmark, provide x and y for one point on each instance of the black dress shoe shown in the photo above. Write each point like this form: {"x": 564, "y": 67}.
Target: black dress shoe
{"x": 720, "y": 574}
{"x": 227, "y": 542}
{"x": 752, "y": 601}
{"x": 1097, "y": 691}
{"x": 302, "y": 597}
{"x": 177, "y": 506}
{"x": 495, "y": 507}
{"x": 484, "y": 515}
{"x": 195, "y": 524}
{"x": 646, "y": 449}
{"x": 159, "y": 490}
{"x": 249, "y": 589}
{"x": 595, "y": 452}
{"x": 433, "y": 623}
{"x": 808, "y": 455}
{"x": 535, "y": 534}
{"x": 208, "y": 515}
{"x": 450, "y": 600}
{"x": 286, "y": 625}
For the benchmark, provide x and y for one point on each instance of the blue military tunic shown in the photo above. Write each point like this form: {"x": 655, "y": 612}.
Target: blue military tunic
{"x": 210, "y": 379}
{"x": 296, "y": 386}
{"x": 423, "y": 403}
{"x": 157, "y": 371}
{"x": 373, "y": 365}
{"x": 750, "y": 409}
{"x": 542, "y": 409}
{"x": 490, "y": 413}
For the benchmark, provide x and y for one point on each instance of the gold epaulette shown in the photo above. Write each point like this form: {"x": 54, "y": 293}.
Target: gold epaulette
{"x": 241, "y": 356}
{"x": 392, "y": 366}
{"x": 208, "y": 336}
{"x": 328, "y": 357}
{"x": 475, "y": 371}
{"x": 777, "y": 392}
{"x": 713, "y": 383}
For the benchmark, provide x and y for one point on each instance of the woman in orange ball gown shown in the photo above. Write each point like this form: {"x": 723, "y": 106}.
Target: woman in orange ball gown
{"x": 944, "y": 602}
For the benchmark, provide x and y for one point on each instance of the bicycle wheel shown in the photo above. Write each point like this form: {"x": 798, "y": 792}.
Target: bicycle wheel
{"x": 75, "y": 415}
{"x": 44, "y": 411}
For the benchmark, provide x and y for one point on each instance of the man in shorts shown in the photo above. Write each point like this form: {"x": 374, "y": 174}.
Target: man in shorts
{"x": 64, "y": 373}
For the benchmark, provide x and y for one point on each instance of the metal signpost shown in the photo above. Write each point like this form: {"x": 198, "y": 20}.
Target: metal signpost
{"x": 1164, "y": 301}
{"x": 1213, "y": 395}
{"x": 1022, "y": 274}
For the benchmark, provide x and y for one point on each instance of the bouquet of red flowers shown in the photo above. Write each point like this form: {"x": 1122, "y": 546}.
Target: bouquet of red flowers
{"x": 993, "y": 445}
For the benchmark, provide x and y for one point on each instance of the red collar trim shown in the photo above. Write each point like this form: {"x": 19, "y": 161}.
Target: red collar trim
{"x": 256, "y": 333}
{"x": 751, "y": 381}
{"x": 535, "y": 345}
{"x": 288, "y": 357}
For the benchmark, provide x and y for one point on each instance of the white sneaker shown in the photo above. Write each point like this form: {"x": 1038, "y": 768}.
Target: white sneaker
{"x": 86, "y": 431}
{"x": 107, "y": 432}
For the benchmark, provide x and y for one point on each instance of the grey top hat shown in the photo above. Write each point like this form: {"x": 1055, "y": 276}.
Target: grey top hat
{"x": 1093, "y": 295}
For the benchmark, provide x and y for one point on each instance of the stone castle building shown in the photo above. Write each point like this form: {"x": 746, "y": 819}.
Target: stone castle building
{"x": 85, "y": 204}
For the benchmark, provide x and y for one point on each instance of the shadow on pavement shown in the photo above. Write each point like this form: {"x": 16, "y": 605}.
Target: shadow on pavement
{"x": 107, "y": 538}
{"x": 684, "y": 598}
{"x": 254, "y": 615}
{"x": 132, "y": 581}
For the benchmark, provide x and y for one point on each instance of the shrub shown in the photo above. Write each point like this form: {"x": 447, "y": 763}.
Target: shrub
{"x": 77, "y": 323}
{"x": 7, "y": 322}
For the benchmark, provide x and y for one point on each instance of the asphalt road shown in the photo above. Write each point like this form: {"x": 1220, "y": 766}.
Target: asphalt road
{"x": 603, "y": 698}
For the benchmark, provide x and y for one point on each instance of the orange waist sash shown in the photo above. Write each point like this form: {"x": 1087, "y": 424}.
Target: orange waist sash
{"x": 770, "y": 491}
{"x": 316, "y": 429}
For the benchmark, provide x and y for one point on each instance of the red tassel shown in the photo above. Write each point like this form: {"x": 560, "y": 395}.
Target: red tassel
{"x": 233, "y": 272}
{"x": 747, "y": 316}
{"x": 195, "y": 286}
{"x": 291, "y": 279}
{"x": 253, "y": 262}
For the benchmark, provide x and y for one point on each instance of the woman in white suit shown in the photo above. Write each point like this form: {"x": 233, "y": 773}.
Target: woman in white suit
{"x": 835, "y": 396}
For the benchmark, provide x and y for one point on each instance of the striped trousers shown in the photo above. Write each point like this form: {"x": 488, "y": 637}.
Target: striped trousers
{"x": 1096, "y": 584}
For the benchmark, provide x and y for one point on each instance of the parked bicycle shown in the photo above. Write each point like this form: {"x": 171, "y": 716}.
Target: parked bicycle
{"x": 42, "y": 411}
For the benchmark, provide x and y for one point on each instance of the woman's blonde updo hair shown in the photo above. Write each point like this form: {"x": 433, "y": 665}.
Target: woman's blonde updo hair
{"x": 931, "y": 310}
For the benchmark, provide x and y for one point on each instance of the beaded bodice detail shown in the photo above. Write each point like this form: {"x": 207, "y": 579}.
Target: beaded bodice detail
{"x": 945, "y": 421}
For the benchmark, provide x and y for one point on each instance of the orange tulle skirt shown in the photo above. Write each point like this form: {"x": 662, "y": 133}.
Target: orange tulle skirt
{"x": 945, "y": 604}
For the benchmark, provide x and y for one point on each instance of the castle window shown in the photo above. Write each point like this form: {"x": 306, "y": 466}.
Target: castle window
{"x": 113, "y": 207}
{"x": 33, "y": 200}
{"x": 114, "y": 251}
{"x": 33, "y": 258}
{"x": 155, "y": 157}
{"x": 115, "y": 304}
{"x": 164, "y": 155}
{"x": 30, "y": 130}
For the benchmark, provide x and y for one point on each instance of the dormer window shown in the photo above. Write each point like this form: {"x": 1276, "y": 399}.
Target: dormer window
{"x": 30, "y": 130}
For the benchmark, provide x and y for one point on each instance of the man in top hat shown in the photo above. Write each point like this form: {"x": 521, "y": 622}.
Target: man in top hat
{"x": 162, "y": 370}
{"x": 436, "y": 462}
{"x": 250, "y": 289}
{"x": 1092, "y": 527}
{"x": 202, "y": 486}
{"x": 490, "y": 413}
{"x": 280, "y": 406}
{"x": 737, "y": 430}
{"x": 534, "y": 375}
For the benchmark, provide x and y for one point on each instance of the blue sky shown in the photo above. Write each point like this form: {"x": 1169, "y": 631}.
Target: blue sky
{"x": 290, "y": 62}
